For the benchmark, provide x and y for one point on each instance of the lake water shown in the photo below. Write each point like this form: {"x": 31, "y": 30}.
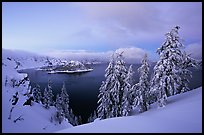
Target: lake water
{"x": 83, "y": 88}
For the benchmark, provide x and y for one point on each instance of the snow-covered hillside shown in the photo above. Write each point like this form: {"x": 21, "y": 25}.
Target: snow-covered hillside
{"x": 183, "y": 114}
{"x": 33, "y": 118}
{"x": 24, "y": 60}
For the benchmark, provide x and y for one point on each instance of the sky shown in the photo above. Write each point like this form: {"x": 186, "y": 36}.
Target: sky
{"x": 96, "y": 29}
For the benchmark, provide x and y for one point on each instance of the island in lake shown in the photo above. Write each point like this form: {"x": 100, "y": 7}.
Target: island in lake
{"x": 67, "y": 67}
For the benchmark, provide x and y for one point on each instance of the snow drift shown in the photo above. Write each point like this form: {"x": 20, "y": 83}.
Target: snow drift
{"x": 183, "y": 114}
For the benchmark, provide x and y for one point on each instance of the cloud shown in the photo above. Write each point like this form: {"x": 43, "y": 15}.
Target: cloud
{"x": 188, "y": 15}
{"x": 131, "y": 54}
{"x": 135, "y": 15}
{"x": 99, "y": 26}
{"x": 195, "y": 50}
{"x": 121, "y": 19}
{"x": 79, "y": 54}
{"x": 123, "y": 23}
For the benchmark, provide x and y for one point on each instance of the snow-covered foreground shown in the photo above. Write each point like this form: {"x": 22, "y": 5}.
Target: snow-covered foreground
{"x": 182, "y": 114}
{"x": 36, "y": 119}
{"x": 33, "y": 118}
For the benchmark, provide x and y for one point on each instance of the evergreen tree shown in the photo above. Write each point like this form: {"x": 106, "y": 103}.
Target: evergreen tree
{"x": 114, "y": 90}
{"x": 72, "y": 118}
{"x": 92, "y": 117}
{"x": 45, "y": 99}
{"x": 165, "y": 78}
{"x": 121, "y": 88}
{"x": 65, "y": 100}
{"x": 37, "y": 93}
{"x": 143, "y": 91}
{"x": 131, "y": 96}
{"x": 65, "y": 106}
{"x": 185, "y": 73}
{"x": 128, "y": 95}
{"x": 168, "y": 71}
{"x": 130, "y": 75}
{"x": 59, "y": 113}
{"x": 50, "y": 94}
{"x": 104, "y": 102}
{"x": 135, "y": 93}
{"x": 117, "y": 91}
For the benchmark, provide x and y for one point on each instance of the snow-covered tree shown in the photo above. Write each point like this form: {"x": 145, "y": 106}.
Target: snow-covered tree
{"x": 37, "y": 93}
{"x": 92, "y": 117}
{"x": 45, "y": 99}
{"x": 128, "y": 95}
{"x": 67, "y": 111}
{"x": 65, "y": 100}
{"x": 104, "y": 102}
{"x": 135, "y": 93}
{"x": 48, "y": 96}
{"x": 165, "y": 80}
{"x": 65, "y": 105}
{"x": 130, "y": 79}
{"x": 130, "y": 75}
{"x": 114, "y": 90}
{"x": 121, "y": 89}
{"x": 59, "y": 116}
{"x": 72, "y": 118}
{"x": 104, "y": 106}
{"x": 185, "y": 73}
{"x": 143, "y": 85}
{"x": 168, "y": 71}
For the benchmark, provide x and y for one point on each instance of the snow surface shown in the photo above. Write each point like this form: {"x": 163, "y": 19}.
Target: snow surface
{"x": 26, "y": 59}
{"x": 182, "y": 114}
{"x": 35, "y": 118}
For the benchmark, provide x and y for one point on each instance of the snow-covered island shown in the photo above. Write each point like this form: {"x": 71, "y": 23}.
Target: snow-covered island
{"x": 66, "y": 67}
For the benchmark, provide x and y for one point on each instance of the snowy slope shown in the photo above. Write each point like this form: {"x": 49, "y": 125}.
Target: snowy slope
{"x": 183, "y": 113}
{"x": 27, "y": 59}
{"x": 30, "y": 60}
{"x": 35, "y": 118}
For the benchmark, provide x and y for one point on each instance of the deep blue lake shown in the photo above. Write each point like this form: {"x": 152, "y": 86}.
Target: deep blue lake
{"x": 83, "y": 88}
